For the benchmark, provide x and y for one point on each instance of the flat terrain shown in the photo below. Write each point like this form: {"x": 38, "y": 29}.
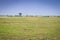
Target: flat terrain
{"x": 29, "y": 28}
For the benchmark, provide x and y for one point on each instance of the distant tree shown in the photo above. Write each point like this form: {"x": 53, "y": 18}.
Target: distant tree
{"x": 16, "y": 15}
{"x": 27, "y": 15}
{"x": 20, "y": 14}
{"x": 58, "y": 16}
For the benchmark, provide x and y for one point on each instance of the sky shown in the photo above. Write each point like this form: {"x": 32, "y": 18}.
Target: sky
{"x": 30, "y": 7}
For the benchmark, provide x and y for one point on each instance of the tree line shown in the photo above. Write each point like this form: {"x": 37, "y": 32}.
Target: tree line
{"x": 20, "y": 15}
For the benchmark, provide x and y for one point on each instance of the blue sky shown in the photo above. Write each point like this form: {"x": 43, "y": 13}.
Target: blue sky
{"x": 30, "y": 7}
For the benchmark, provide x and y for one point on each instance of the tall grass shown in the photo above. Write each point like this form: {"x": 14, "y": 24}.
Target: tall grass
{"x": 30, "y": 28}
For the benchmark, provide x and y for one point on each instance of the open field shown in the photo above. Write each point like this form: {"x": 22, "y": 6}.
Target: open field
{"x": 29, "y": 28}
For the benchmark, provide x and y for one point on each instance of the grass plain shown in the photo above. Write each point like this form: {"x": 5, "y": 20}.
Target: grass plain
{"x": 29, "y": 28}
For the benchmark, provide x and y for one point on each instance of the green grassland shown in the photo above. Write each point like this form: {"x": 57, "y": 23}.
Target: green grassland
{"x": 29, "y": 28}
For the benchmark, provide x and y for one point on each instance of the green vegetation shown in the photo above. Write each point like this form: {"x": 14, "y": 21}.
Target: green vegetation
{"x": 29, "y": 28}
